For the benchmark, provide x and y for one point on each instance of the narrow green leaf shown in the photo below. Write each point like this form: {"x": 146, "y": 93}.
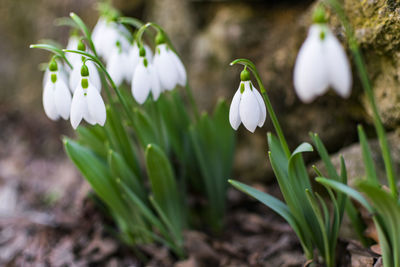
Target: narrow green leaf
{"x": 338, "y": 186}
{"x": 324, "y": 156}
{"x": 119, "y": 168}
{"x": 274, "y": 204}
{"x": 366, "y": 153}
{"x": 164, "y": 187}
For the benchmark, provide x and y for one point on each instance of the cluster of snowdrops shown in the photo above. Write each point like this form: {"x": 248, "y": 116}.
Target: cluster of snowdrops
{"x": 149, "y": 153}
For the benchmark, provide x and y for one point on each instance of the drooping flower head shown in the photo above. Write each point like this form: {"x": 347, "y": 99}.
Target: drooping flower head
{"x": 134, "y": 58}
{"x": 106, "y": 34}
{"x": 118, "y": 63}
{"x": 87, "y": 103}
{"x": 56, "y": 95}
{"x": 145, "y": 79}
{"x": 75, "y": 76}
{"x": 169, "y": 67}
{"x": 247, "y": 105}
{"x": 321, "y": 63}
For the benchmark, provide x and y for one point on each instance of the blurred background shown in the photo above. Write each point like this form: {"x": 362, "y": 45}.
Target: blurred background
{"x": 38, "y": 184}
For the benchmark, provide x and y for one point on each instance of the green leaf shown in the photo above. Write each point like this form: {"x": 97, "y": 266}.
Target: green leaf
{"x": 388, "y": 216}
{"x": 366, "y": 153}
{"x": 97, "y": 174}
{"x": 338, "y": 186}
{"x": 323, "y": 153}
{"x": 121, "y": 141}
{"x": 119, "y": 168}
{"x": 213, "y": 141}
{"x": 277, "y": 206}
{"x": 164, "y": 187}
{"x": 144, "y": 128}
{"x": 95, "y": 138}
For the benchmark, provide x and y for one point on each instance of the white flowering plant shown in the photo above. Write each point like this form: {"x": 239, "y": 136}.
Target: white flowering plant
{"x": 321, "y": 64}
{"x": 143, "y": 150}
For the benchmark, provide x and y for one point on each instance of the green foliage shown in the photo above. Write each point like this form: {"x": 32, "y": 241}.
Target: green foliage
{"x": 305, "y": 210}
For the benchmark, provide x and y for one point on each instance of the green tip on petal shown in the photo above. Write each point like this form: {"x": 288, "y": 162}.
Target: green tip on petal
{"x": 84, "y": 71}
{"x": 53, "y": 78}
{"x": 85, "y": 83}
{"x": 245, "y": 75}
{"x": 241, "y": 88}
{"x": 319, "y": 15}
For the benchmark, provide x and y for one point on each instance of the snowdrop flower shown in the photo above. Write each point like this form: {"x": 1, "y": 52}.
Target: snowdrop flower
{"x": 117, "y": 64}
{"x": 106, "y": 34}
{"x": 75, "y": 75}
{"x": 320, "y": 64}
{"x": 247, "y": 105}
{"x": 169, "y": 67}
{"x": 56, "y": 95}
{"x": 145, "y": 79}
{"x": 87, "y": 103}
{"x": 134, "y": 59}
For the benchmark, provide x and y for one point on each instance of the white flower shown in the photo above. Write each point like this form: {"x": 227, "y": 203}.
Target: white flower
{"x": 145, "y": 80}
{"x": 169, "y": 67}
{"x": 117, "y": 65}
{"x": 134, "y": 59}
{"x": 247, "y": 107}
{"x": 56, "y": 96}
{"x": 75, "y": 76}
{"x": 87, "y": 104}
{"x": 321, "y": 63}
{"x": 106, "y": 34}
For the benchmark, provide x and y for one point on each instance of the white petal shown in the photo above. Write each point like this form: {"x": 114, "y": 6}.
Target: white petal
{"x": 164, "y": 65}
{"x": 310, "y": 71}
{"x": 338, "y": 66}
{"x": 73, "y": 45}
{"x": 132, "y": 62}
{"x": 155, "y": 83}
{"x": 48, "y": 101}
{"x": 234, "y": 117}
{"x": 182, "y": 77}
{"x": 141, "y": 83}
{"x": 46, "y": 77}
{"x": 96, "y": 107}
{"x": 78, "y": 107}
{"x": 98, "y": 35}
{"x": 75, "y": 77}
{"x": 260, "y": 100}
{"x": 62, "y": 99}
{"x": 94, "y": 75}
{"x": 115, "y": 67}
{"x": 149, "y": 53}
{"x": 249, "y": 109}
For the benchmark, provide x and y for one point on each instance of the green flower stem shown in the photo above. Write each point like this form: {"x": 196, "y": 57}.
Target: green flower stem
{"x": 362, "y": 71}
{"x": 84, "y": 30}
{"x": 130, "y": 21}
{"x": 268, "y": 104}
{"x": 54, "y": 50}
{"x": 139, "y": 37}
